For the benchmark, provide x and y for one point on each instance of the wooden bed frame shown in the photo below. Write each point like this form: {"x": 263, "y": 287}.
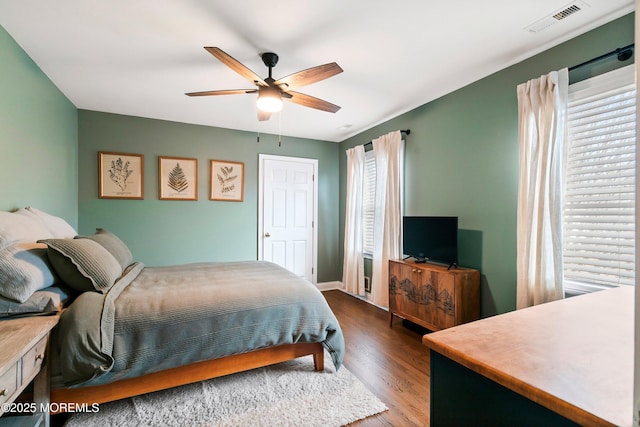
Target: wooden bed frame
{"x": 194, "y": 372}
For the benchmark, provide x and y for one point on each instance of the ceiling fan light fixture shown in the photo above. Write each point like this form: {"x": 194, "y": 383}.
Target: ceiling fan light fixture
{"x": 270, "y": 91}
{"x": 269, "y": 100}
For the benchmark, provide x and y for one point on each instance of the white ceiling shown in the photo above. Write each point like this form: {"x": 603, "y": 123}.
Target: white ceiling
{"x": 139, "y": 57}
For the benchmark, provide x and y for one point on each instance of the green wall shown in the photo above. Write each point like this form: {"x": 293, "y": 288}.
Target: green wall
{"x": 161, "y": 232}
{"x": 38, "y": 138}
{"x": 462, "y": 158}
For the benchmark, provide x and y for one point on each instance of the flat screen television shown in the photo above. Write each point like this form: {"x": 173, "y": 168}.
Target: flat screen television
{"x": 431, "y": 238}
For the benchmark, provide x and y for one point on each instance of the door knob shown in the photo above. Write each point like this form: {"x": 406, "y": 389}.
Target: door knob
{"x": 267, "y": 235}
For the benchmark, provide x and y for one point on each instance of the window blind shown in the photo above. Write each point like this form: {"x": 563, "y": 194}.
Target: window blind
{"x": 369, "y": 202}
{"x": 599, "y": 199}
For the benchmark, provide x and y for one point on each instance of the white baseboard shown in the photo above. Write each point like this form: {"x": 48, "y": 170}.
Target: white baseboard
{"x": 328, "y": 286}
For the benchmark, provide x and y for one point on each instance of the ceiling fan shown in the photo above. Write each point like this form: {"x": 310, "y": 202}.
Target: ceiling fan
{"x": 271, "y": 92}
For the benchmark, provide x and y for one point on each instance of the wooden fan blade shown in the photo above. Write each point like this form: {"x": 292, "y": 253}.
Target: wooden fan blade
{"x": 221, "y": 92}
{"x": 263, "y": 115}
{"x": 312, "y": 102}
{"x": 308, "y": 76}
{"x": 236, "y": 66}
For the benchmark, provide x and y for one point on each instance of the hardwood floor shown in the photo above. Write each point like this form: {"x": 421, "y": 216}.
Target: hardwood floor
{"x": 391, "y": 362}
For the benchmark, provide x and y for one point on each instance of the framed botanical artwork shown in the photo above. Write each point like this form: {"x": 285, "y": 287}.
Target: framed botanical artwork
{"x": 178, "y": 178}
{"x": 121, "y": 175}
{"x": 227, "y": 181}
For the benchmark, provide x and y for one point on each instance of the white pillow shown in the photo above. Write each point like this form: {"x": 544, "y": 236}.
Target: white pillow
{"x": 21, "y": 226}
{"x": 56, "y": 225}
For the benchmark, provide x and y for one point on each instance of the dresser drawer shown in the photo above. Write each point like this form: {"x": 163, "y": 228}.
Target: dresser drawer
{"x": 32, "y": 360}
{"x": 8, "y": 383}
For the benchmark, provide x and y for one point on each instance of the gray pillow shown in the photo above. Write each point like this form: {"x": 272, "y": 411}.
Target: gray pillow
{"x": 24, "y": 269}
{"x": 83, "y": 264}
{"x": 113, "y": 244}
{"x": 44, "y": 301}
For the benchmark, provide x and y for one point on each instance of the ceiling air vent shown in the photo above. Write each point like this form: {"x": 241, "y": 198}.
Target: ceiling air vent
{"x": 559, "y": 15}
{"x": 566, "y": 12}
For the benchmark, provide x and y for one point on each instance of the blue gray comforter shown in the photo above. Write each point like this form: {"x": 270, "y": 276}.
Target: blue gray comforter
{"x": 155, "y": 318}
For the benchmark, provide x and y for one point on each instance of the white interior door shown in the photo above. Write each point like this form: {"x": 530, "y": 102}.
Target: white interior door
{"x": 288, "y": 213}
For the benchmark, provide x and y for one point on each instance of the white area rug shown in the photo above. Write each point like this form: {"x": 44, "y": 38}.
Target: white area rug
{"x": 287, "y": 394}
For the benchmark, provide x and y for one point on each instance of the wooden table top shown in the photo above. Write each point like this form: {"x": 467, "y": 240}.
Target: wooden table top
{"x": 19, "y": 335}
{"x": 573, "y": 356}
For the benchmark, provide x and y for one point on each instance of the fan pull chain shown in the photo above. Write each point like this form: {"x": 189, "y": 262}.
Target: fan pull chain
{"x": 280, "y": 129}
{"x": 258, "y": 133}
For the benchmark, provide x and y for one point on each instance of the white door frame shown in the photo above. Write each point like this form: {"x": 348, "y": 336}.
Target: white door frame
{"x": 314, "y": 244}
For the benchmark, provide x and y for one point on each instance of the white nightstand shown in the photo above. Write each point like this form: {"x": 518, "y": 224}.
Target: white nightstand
{"x": 23, "y": 350}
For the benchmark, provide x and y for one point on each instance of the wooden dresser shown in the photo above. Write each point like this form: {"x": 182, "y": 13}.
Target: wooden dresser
{"x": 23, "y": 347}
{"x": 567, "y": 362}
{"x": 432, "y": 295}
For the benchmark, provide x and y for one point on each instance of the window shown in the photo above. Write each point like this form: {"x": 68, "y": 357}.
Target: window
{"x": 599, "y": 204}
{"x": 368, "y": 202}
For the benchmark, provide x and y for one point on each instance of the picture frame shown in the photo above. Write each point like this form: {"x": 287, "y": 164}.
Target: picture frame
{"x": 120, "y": 175}
{"x": 226, "y": 181}
{"x": 177, "y": 178}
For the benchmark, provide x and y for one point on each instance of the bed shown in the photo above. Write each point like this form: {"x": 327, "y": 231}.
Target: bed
{"x": 132, "y": 329}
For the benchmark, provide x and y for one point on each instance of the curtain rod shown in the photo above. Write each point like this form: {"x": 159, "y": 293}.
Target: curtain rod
{"x": 405, "y": 131}
{"x": 623, "y": 54}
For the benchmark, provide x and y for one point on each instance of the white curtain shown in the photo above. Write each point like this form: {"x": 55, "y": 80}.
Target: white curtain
{"x": 353, "y": 264}
{"x": 542, "y": 106}
{"x": 388, "y": 151}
